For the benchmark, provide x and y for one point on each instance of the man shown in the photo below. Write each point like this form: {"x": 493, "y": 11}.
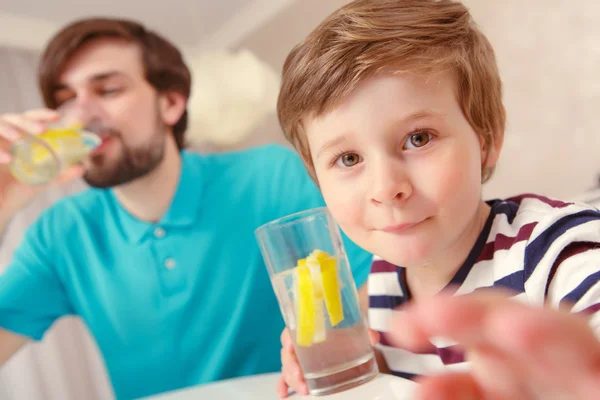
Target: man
{"x": 158, "y": 258}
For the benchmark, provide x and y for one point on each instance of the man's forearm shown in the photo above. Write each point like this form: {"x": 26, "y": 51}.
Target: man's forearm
{"x": 10, "y": 343}
{"x": 4, "y": 222}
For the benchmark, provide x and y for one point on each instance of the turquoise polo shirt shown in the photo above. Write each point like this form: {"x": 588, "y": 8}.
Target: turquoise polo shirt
{"x": 171, "y": 304}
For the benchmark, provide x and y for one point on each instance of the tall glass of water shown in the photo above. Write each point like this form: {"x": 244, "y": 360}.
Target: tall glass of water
{"x": 312, "y": 280}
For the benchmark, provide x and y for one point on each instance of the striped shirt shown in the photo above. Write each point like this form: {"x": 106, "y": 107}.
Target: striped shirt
{"x": 546, "y": 251}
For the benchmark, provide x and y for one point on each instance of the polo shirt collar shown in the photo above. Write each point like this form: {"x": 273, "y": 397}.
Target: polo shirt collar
{"x": 182, "y": 212}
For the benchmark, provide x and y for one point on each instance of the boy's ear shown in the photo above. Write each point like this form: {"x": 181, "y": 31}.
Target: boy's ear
{"x": 491, "y": 157}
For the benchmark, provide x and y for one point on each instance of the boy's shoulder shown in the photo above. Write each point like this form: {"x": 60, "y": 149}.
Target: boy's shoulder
{"x": 534, "y": 209}
{"x": 532, "y": 224}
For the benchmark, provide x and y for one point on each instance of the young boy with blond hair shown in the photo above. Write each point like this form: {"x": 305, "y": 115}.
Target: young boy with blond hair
{"x": 396, "y": 109}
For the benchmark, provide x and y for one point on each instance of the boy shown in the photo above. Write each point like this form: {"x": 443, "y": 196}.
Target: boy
{"x": 396, "y": 109}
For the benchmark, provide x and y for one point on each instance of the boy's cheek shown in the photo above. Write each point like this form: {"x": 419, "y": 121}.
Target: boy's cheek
{"x": 457, "y": 169}
{"x": 342, "y": 201}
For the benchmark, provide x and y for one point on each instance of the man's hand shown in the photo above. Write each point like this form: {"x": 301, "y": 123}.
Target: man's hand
{"x": 10, "y": 343}
{"x": 14, "y": 195}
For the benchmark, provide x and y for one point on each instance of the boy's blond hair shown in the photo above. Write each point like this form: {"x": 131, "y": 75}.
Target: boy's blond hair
{"x": 370, "y": 37}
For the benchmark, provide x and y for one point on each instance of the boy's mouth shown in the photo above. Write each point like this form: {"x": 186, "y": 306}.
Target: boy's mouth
{"x": 400, "y": 228}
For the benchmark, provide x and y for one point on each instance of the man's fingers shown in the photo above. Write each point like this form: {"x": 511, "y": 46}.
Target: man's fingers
{"x": 23, "y": 124}
{"x": 5, "y": 156}
{"x": 9, "y": 132}
{"x": 12, "y": 126}
{"x": 69, "y": 175}
{"x": 42, "y": 115}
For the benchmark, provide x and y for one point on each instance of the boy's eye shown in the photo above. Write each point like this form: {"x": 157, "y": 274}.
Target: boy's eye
{"x": 416, "y": 140}
{"x": 348, "y": 160}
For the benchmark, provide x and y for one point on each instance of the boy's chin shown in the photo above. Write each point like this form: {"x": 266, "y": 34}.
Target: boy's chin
{"x": 405, "y": 261}
{"x": 407, "y": 258}
{"x": 403, "y": 252}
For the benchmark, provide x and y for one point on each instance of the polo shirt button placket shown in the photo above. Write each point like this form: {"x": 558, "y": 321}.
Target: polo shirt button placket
{"x": 159, "y": 233}
{"x": 170, "y": 263}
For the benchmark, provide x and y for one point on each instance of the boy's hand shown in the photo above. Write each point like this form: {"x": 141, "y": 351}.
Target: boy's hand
{"x": 516, "y": 351}
{"x": 291, "y": 373}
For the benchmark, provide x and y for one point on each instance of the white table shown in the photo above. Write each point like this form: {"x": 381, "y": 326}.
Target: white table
{"x": 262, "y": 387}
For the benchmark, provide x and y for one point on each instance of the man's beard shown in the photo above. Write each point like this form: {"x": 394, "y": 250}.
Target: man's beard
{"x": 133, "y": 163}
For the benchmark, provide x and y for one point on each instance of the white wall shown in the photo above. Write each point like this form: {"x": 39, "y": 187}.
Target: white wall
{"x": 549, "y": 58}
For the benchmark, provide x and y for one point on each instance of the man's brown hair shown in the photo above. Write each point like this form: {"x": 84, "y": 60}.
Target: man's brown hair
{"x": 369, "y": 37}
{"x": 163, "y": 63}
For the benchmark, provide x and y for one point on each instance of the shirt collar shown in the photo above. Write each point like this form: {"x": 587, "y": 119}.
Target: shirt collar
{"x": 184, "y": 207}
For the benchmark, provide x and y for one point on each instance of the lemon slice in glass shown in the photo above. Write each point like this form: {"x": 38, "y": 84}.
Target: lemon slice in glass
{"x": 317, "y": 288}
{"x": 306, "y": 305}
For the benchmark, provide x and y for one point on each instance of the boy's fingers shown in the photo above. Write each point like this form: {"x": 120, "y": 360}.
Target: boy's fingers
{"x": 290, "y": 363}
{"x": 281, "y": 388}
{"x": 286, "y": 340}
{"x": 531, "y": 332}
{"x": 500, "y": 376}
{"x": 287, "y": 357}
{"x": 292, "y": 375}
{"x": 451, "y": 386}
{"x": 374, "y": 337}
{"x": 291, "y": 372}
{"x": 515, "y": 349}
{"x": 493, "y": 377}
{"x": 459, "y": 318}
{"x": 559, "y": 349}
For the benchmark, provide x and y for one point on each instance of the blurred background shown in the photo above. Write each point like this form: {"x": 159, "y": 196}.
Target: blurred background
{"x": 549, "y": 57}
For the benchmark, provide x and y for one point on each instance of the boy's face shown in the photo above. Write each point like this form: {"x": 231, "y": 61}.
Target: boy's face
{"x": 400, "y": 169}
{"x": 104, "y": 83}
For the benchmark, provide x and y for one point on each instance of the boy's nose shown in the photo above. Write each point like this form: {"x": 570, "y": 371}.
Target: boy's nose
{"x": 389, "y": 186}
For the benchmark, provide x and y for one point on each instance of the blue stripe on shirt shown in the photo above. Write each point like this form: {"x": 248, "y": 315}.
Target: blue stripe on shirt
{"x": 538, "y": 247}
{"x": 584, "y": 287}
{"x": 385, "y": 301}
{"x": 514, "y": 281}
{"x": 405, "y": 375}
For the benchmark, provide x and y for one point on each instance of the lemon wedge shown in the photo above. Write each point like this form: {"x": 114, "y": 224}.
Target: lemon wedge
{"x": 55, "y": 138}
{"x": 306, "y": 305}
{"x": 315, "y": 273}
{"x": 317, "y": 288}
{"x": 331, "y": 286}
